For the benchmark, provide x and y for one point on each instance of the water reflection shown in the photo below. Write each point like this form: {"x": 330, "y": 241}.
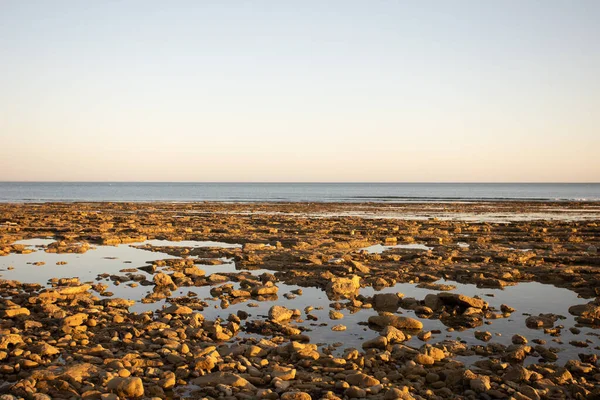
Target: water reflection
{"x": 527, "y": 298}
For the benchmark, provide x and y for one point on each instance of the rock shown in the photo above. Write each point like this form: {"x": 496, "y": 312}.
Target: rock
{"x": 516, "y": 373}
{"x": 344, "y": 286}
{"x": 506, "y": 309}
{"x": 441, "y": 287}
{"x": 75, "y": 320}
{"x": 380, "y": 342}
{"x": 360, "y": 267}
{"x": 424, "y": 359}
{"x": 335, "y": 315}
{"x": 388, "y": 319}
{"x": 362, "y": 380}
{"x": 433, "y": 352}
{"x": 386, "y": 301}
{"x": 480, "y": 384}
{"x": 393, "y": 335}
{"x": 283, "y": 373}
{"x": 225, "y": 378}
{"x": 169, "y": 380}
{"x": 433, "y": 301}
{"x": 483, "y": 336}
{"x": 15, "y": 312}
{"x": 255, "y": 246}
{"x": 118, "y": 303}
{"x": 264, "y": 290}
{"x": 588, "y": 313}
{"x": 194, "y": 271}
{"x": 126, "y": 387}
{"x": 10, "y": 340}
{"x": 461, "y": 300}
{"x": 163, "y": 280}
{"x": 519, "y": 339}
{"x": 176, "y": 309}
{"x": 395, "y": 394}
{"x": 540, "y": 321}
{"x": 354, "y": 392}
{"x": 295, "y": 396}
{"x": 339, "y": 328}
{"x": 280, "y": 314}
{"x": 44, "y": 349}
{"x": 73, "y": 290}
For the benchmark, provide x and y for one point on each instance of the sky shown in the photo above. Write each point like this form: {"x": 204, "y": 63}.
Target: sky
{"x": 394, "y": 91}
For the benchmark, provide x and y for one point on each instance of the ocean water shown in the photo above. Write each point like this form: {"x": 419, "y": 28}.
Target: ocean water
{"x": 312, "y": 192}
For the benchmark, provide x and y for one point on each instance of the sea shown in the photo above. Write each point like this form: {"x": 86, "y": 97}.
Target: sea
{"x": 19, "y": 192}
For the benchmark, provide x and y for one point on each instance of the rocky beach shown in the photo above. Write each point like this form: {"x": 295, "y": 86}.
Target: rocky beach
{"x": 299, "y": 301}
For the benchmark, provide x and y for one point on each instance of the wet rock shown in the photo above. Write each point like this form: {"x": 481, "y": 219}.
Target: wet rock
{"x": 344, "y": 287}
{"x": 462, "y": 300}
{"x": 480, "y": 384}
{"x": 506, "y": 309}
{"x": 73, "y": 290}
{"x": 587, "y": 313}
{"x": 442, "y": 287}
{"x": 126, "y": 387}
{"x": 14, "y": 312}
{"x": 163, "y": 280}
{"x": 9, "y": 340}
{"x": 224, "y": 378}
{"x": 362, "y": 380}
{"x": 354, "y": 392}
{"x": 283, "y": 373}
{"x": 424, "y": 359}
{"x": 360, "y": 267}
{"x": 393, "y": 335}
{"x": 540, "y": 321}
{"x": 268, "y": 289}
{"x": 295, "y": 396}
{"x": 75, "y": 320}
{"x": 44, "y": 349}
{"x": 388, "y": 319}
{"x": 176, "y": 309}
{"x": 379, "y": 342}
{"x": 519, "y": 339}
{"x": 516, "y": 373}
{"x": 483, "y": 336}
{"x": 433, "y": 301}
{"x": 387, "y": 301}
{"x": 280, "y": 314}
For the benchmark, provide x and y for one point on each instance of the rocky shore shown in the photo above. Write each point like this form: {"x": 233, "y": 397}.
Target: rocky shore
{"x": 295, "y": 301}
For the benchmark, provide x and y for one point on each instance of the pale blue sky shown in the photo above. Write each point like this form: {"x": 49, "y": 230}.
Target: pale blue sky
{"x": 300, "y": 90}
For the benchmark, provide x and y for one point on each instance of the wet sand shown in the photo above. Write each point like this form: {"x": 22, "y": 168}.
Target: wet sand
{"x": 291, "y": 300}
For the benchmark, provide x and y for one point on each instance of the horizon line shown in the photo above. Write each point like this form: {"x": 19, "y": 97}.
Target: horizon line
{"x": 312, "y": 182}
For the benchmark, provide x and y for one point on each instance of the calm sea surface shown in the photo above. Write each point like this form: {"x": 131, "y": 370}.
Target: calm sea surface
{"x": 315, "y": 192}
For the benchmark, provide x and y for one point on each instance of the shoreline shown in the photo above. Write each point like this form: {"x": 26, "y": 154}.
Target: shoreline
{"x": 263, "y": 300}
